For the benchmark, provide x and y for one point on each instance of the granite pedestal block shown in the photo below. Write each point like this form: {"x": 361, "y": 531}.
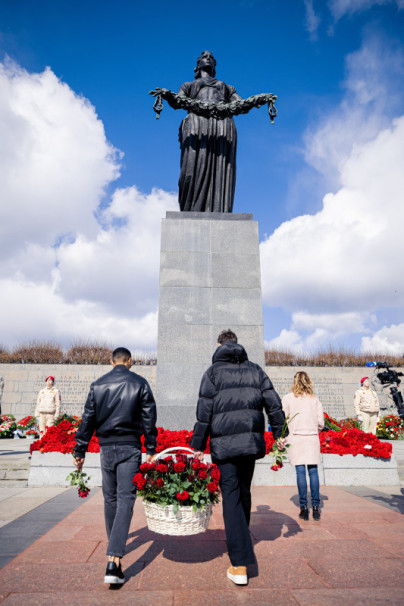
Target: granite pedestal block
{"x": 210, "y": 280}
{"x": 51, "y": 469}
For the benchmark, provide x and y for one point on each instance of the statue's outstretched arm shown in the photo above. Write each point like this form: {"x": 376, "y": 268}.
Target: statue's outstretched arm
{"x": 218, "y": 110}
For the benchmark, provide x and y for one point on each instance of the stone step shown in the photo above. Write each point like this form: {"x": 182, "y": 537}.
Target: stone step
{"x": 13, "y": 483}
{"x": 15, "y": 464}
{"x": 16, "y": 474}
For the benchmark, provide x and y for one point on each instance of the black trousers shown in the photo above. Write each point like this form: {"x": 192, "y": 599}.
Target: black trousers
{"x": 235, "y": 482}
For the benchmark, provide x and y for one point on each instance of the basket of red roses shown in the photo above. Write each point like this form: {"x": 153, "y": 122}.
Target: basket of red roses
{"x": 178, "y": 492}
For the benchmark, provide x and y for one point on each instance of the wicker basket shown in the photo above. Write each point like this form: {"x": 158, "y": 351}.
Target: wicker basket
{"x": 186, "y": 521}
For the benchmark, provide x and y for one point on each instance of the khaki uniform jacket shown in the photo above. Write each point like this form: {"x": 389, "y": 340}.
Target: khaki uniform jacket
{"x": 48, "y": 401}
{"x": 366, "y": 400}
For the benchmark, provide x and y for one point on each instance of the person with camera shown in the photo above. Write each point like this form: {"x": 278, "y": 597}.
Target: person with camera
{"x": 367, "y": 407}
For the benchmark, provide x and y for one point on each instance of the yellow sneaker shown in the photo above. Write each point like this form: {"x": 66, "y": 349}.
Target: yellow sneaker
{"x": 238, "y": 574}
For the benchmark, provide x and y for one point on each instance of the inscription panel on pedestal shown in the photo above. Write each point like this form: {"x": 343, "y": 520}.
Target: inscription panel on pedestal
{"x": 329, "y": 390}
{"x": 73, "y": 390}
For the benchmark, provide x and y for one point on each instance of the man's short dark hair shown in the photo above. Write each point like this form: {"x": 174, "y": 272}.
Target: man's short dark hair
{"x": 121, "y": 354}
{"x": 227, "y": 336}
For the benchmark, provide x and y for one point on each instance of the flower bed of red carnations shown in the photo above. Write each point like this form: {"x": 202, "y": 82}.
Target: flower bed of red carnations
{"x": 60, "y": 438}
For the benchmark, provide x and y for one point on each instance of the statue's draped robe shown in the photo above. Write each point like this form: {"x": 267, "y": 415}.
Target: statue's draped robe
{"x": 208, "y": 151}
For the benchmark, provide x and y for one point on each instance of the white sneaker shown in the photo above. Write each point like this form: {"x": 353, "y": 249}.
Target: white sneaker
{"x": 238, "y": 574}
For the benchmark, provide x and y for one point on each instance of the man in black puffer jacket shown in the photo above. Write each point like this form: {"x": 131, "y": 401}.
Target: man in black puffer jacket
{"x": 120, "y": 408}
{"x": 232, "y": 397}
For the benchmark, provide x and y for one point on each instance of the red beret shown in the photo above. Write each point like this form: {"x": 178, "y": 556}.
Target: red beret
{"x": 363, "y": 379}
{"x": 53, "y": 378}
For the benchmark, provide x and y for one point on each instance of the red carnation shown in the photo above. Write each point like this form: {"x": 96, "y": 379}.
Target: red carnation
{"x": 162, "y": 468}
{"x": 178, "y": 467}
{"x": 182, "y": 496}
{"x": 212, "y": 487}
{"x": 202, "y": 474}
{"x": 160, "y": 482}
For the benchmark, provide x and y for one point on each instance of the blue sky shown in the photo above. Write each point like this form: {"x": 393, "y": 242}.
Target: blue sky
{"x": 87, "y": 172}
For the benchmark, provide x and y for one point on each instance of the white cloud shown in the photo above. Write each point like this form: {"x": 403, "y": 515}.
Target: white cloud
{"x": 333, "y": 270}
{"x": 34, "y": 311}
{"x": 55, "y": 161}
{"x": 312, "y": 19}
{"x": 373, "y": 95}
{"x": 310, "y": 331}
{"x": 119, "y": 268}
{"x": 70, "y": 270}
{"x": 340, "y": 8}
{"x": 389, "y": 339}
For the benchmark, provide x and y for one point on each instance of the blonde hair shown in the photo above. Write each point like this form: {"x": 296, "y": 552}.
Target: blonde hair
{"x": 302, "y": 385}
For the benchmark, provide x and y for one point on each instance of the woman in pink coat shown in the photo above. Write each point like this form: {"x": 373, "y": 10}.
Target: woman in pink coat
{"x": 303, "y": 437}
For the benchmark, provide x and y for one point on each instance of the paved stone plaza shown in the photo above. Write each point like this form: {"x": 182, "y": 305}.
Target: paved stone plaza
{"x": 55, "y": 554}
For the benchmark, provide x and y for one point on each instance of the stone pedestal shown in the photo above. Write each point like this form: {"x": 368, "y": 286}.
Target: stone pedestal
{"x": 210, "y": 280}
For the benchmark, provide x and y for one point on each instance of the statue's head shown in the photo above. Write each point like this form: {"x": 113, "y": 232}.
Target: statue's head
{"x": 206, "y": 60}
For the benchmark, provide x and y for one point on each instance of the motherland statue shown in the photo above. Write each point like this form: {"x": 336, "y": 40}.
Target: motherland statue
{"x": 208, "y": 136}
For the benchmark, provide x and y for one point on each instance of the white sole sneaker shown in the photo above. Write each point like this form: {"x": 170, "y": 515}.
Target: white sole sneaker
{"x": 113, "y": 580}
{"x": 238, "y": 579}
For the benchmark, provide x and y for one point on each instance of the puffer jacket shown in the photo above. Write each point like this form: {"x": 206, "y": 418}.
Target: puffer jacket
{"x": 120, "y": 408}
{"x": 366, "y": 400}
{"x": 232, "y": 396}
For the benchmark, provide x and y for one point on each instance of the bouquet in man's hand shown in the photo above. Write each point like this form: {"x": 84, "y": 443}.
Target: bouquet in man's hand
{"x": 79, "y": 478}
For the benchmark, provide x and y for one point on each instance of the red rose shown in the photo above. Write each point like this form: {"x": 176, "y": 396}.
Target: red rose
{"x": 168, "y": 459}
{"x": 162, "y": 468}
{"x": 202, "y": 474}
{"x": 182, "y": 496}
{"x": 178, "y": 467}
{"x": 274, "y": 467}
{"x": 215, "y": 474}
{"x": 195, "y": 464}
{"x": 144, "y": 468}
{"x": 152, "y": 466}
{"x": 160, "y": 482}
{"x": 212, "y": 487}
{"x": 139, "y": 480}
{"x": 141, "y": 483}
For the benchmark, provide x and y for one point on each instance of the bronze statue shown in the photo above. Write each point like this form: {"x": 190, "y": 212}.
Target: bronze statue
{"x": 208, "y": 136}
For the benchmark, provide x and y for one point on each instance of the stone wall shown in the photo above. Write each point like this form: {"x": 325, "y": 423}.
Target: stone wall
{"x": 20, "y": 383}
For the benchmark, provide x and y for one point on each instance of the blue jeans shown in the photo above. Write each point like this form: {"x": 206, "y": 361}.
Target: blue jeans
{"x": 118, "y": 466}
{"x": 302, "y": 484}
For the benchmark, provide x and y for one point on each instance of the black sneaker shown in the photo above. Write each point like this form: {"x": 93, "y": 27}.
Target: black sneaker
{"x": 114, "y": 574}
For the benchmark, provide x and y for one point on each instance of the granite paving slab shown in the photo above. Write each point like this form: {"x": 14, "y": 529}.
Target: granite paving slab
{"x": 352, "y": 556}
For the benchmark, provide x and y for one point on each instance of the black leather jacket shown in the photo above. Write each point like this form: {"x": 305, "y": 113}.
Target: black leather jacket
{"x": 120, "y": 407}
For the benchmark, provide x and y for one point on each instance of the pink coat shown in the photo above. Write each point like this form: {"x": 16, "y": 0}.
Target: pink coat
{"x": 304, "y": 428}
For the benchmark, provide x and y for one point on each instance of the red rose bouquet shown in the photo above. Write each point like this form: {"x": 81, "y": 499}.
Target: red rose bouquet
{"x": 280, "y": 454}
{"x": 178, "y": 481}
{"x": 79, "y": 479}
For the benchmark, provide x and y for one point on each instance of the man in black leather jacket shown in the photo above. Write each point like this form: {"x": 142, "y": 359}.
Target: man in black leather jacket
{"x": 232, "y": 396}
{"x": 120, "y": 408}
